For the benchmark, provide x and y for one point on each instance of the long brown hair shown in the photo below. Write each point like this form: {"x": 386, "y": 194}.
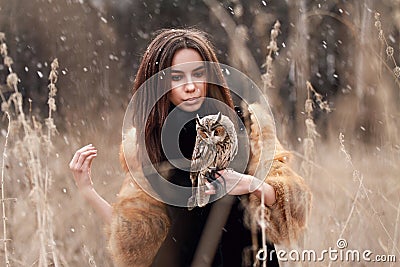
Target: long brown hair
{"x": 157, "y": 57}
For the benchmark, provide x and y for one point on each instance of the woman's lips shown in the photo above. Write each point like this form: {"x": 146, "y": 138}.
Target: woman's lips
{"x": 192, "y": 100}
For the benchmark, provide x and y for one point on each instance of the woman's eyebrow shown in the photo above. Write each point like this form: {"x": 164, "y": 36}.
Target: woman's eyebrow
{"x": 196, "y": 69}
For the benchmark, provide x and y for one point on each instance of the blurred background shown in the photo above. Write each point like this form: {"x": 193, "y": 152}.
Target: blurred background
{"x": 335, "y": 45}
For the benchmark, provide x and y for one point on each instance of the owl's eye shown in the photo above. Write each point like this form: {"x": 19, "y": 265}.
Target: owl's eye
{"x": 219, "y": 131}
{"x": 202, "y": 134}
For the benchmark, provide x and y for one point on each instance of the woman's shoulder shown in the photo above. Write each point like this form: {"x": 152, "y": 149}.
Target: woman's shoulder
{"x": 261, "y": 129}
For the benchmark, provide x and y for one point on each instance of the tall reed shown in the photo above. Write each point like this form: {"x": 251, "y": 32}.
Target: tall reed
{"x": 30, "y": 144}
{"x": 311, "y": 128}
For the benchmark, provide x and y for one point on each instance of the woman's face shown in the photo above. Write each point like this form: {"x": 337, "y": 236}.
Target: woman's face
{"x": 188, "y": 81}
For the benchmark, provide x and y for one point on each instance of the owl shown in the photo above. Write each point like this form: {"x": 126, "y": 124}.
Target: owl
{"x": 216, "y": 146}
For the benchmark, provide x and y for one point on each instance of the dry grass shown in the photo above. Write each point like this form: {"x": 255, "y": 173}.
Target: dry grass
{"x": 356, "y": 187}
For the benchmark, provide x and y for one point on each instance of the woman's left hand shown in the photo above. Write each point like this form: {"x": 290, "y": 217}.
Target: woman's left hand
{"x": 236, "y": 183}
{"x": 241, "y": 184}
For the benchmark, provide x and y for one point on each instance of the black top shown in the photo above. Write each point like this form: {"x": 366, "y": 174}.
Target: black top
{"x": 232, "y": 241}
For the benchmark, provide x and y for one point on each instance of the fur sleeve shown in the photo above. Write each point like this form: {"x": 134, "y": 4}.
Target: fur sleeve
{"x": 139, "y": 222}
{"x": 287, "y": 218}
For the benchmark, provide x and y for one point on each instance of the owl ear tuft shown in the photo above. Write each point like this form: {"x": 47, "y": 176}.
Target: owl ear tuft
{"x": 219, "y": 116}
{"x": 198, "y": 119}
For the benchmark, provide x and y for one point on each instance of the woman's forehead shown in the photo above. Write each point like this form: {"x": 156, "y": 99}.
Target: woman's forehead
{"x": 186, "y": 55}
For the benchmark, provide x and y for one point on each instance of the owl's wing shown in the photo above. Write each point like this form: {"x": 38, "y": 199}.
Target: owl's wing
{"x": 203, "y": 155}
{"x": 234, "y": 149}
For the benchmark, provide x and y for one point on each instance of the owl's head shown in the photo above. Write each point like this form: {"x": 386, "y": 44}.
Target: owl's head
{"x": 214, "y": 128}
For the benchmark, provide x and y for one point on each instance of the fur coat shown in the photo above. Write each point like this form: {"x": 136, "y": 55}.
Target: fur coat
{"x": 140, "y": 223}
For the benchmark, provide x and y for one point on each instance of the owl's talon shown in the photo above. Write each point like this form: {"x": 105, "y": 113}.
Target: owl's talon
{"x": 211, "y": 177}
{"x": 212, "y": 169}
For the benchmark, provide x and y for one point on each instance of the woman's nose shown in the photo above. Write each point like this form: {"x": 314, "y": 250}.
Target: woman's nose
{"x": 189, "y": 86}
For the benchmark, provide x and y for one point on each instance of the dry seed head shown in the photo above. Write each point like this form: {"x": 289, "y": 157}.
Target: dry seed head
{"x": 396, "y": 71}
{"x": 380, "y": 35}
{"x": 273, "y": 46}
{"x": 8, "y": 61}
{"x": 2, "y": 36}
{"x": 322, "y": 104}
{"x": 267, "y": 79}
{"x": 318, "y": 96}
{"x": 52, "y": 104}
{"x": 389, "y": 51}
{"x": 378, "y": 25}
{"x": 377, "y": 16}
{"x": 3, "y": 49}
{"x": 54, "y": 64}
{"x": 52, "y": 90}
{"x": 12, "y": 80}
{"x": 53, "y": 76}
{"x": 274, "y": 33}
{"x": 309, "y": 106}
{"x": 50, "y": 125}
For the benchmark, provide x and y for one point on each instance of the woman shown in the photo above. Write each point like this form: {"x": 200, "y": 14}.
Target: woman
{"x": 144, "y": 231}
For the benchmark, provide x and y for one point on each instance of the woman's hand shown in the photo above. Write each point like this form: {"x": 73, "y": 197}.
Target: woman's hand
{"x": 81, "y": 165}
{"x": 241, "y": 184}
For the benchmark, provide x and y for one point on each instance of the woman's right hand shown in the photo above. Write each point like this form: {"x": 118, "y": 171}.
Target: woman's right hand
{"x": 80, "y": 166}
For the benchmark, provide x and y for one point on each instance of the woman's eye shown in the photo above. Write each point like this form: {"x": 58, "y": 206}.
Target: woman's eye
{"x": 176, "y": 78}
{"x": 198, "y": 74}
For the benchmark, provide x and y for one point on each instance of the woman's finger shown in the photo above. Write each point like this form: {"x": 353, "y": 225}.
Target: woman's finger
{"x": 75, "y": 158}
{"x": 88, "y": 161}
{"x": 83, "y": 156}
{"x": 210, "y": 190}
